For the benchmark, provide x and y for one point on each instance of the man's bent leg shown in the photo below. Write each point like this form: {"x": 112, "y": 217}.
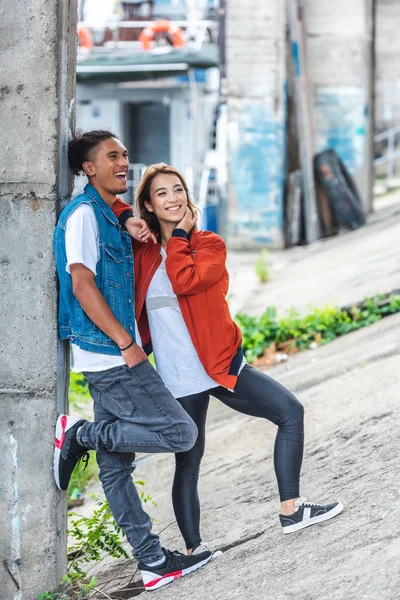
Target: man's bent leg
{"x": 116, "y": 477}
{"x": 146, "y": 417}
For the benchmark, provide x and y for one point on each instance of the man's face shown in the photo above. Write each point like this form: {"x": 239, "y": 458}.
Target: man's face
{"x": 108, "y": 167}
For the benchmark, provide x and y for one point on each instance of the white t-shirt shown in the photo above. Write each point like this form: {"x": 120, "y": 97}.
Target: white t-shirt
{"x": 82, "y": 246}
{"x": 176, "y": 359}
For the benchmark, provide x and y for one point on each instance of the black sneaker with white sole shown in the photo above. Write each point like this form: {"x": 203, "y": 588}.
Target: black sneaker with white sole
{"x": 307, "y": 514}
{"x": 67, "y": 451}
{"x": 175, "y": 566}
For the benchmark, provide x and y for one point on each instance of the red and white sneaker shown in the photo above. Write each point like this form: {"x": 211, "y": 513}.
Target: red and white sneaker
{"x": 67, "y": 451}
{"x": 175, "y": 566}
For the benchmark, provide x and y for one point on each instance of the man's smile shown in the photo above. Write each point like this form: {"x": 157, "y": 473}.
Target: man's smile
{"x": 121, "y": 175}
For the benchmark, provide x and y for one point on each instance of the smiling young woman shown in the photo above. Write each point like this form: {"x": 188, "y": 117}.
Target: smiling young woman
{"x": 181, "y": 283}
{"x": 162, "y": 199}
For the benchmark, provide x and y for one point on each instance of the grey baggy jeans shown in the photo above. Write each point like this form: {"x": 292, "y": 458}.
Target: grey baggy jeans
{"x": 133, "y": 412}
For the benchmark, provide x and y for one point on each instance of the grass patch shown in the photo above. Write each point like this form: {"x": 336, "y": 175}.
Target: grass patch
{"x": 78, "y": 393}
{"x": 81, "y": 478}
{"x": 292, "y": 332}
{"x": 79, "y": 400}
{"x": 262, "y": 266}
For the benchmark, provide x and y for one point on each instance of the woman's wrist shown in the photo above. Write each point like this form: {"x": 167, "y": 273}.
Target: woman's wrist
{"x": 180, "y": 232}
{"x": 123, "y": 217}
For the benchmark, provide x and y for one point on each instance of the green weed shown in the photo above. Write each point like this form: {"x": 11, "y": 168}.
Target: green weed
{"x": 78, "y": 393}
{"x": 71, "y": 588}
{"x": 81, "y": 478}
{"x": 294, "y": 331}
{"x": 93, "y": 536}
{"x": 262, "y": 266}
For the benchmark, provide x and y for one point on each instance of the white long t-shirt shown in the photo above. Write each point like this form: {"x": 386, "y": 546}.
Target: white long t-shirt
{"x": 82, "y": 246}
{"x": 176, "y": 359}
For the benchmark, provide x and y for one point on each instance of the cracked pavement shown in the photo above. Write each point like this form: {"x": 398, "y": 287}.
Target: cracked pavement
{"x": 350, "y": 390}
{"x": 351, "y": 453}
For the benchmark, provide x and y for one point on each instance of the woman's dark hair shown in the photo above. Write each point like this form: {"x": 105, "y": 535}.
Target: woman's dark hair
{"x": 81, "y": 145}
{"x": 143, "y": 194}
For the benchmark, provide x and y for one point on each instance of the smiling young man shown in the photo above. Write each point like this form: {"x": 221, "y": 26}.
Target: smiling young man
{"x": 133, "y": 410}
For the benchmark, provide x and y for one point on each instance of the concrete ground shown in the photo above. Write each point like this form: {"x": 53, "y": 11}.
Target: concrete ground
{"x": 341, "y": 270}
{"x": 350, "y": 390}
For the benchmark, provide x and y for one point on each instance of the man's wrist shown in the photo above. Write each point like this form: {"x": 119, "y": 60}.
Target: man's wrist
{"x": 123, "y": 348}
{"x": 124, "y": 340}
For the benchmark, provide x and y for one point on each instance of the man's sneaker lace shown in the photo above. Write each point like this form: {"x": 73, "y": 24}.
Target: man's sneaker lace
{"x": 175, "y": 566}
{"x": 309, "y": 513}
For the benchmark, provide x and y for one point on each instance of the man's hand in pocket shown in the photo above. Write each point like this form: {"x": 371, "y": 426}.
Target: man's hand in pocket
{"x": 134, "y": 355}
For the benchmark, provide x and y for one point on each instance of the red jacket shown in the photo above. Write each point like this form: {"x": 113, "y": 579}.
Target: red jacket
{"x": 197, "y": 271}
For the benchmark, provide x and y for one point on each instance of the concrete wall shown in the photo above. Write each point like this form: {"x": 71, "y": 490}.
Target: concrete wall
{"x": 338, "y": 59}
{"x": 256, "y": 73}
{"x": 37, "y": 45}
{"x": 387, "y": 90}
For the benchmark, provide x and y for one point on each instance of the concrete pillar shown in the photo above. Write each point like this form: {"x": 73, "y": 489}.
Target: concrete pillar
{"x": 37, "y": 81}
{"x": 339, "y": 68}
{"x": 256, "y": 74}
{"x": 387, "y": 47}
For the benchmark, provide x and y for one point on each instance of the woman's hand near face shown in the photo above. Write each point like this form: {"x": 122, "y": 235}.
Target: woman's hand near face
{"x": 139, "y": 230}
{"x": 188, "y": 221}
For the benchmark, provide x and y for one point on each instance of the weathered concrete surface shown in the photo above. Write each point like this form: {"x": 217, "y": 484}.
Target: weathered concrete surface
{"x": 350, "y": 391}
{"x": 37, "y": 45}
{"x": 256, "y": 100}
{"x": 339, "y": 59}
{"x": 339, "y": 270}
{"x": 387, "y": 64}
{"x": 339, "y": 77}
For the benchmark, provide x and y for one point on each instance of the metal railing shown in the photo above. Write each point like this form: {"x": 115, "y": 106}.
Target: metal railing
{"x": 387, "y": 144}
{"x": 196, "y": 32}
{"x": 135, "y": 173}
{"x": 208, "y": 195}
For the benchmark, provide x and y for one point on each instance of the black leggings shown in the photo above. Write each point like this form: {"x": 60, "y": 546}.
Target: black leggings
{"x": 257, "y": 395}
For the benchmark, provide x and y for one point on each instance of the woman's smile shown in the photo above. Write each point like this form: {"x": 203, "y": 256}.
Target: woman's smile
{"x": 174, "y": 208}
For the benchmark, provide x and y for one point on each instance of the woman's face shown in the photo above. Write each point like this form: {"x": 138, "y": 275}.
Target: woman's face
{"x": 168, "y": 199}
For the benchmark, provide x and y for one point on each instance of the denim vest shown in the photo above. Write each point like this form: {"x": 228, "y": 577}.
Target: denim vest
{"x": 114, "y": 278}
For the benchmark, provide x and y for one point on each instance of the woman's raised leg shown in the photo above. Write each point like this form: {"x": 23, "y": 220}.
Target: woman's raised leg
{"x": 259, "y": 395}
